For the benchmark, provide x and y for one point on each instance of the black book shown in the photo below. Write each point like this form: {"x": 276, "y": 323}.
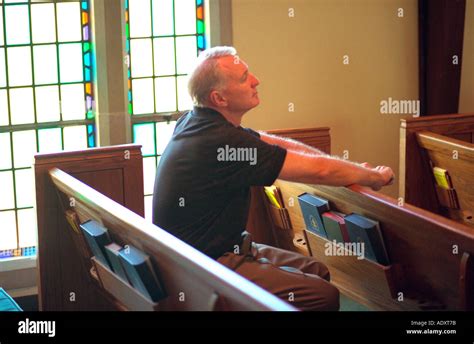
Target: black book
{"x": 140, "y": 273}
{"x": 97, "y": 237}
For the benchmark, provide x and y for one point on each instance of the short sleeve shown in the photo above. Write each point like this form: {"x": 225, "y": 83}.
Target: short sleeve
{"x": 252, "y": 132}
{"x": 245, "y": 160}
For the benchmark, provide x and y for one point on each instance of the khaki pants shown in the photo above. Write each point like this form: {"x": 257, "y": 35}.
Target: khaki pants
{"x": 297, "y": 279}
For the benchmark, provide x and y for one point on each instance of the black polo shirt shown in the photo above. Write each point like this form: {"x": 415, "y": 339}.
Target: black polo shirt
{"x": 202, "y": 186}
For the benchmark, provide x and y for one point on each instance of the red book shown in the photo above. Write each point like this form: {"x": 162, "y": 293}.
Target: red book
{"x": 335, "y": 226}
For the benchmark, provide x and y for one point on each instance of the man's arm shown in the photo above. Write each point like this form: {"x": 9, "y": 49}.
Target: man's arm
{"x": 328, "y": 170}
{"x": 289, "y": 144}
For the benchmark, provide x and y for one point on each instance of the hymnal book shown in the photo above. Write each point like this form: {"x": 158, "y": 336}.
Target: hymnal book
{"x": 141, "y": 273}
{"x": 442, "y": 178}
{"x": 97, "y": 237}
{"x": 335, "y": 226}
{"x": 113, "y": 251}
{"x": 312, "y": 208}
{"x": 274, "y": 196}
{"x": 367, "y": 231}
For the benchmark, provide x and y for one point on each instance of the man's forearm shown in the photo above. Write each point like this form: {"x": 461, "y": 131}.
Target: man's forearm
{"x": 290, "y": 144}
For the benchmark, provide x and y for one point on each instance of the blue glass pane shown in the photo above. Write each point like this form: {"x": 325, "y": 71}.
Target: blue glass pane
{"x": 144, "y": 134}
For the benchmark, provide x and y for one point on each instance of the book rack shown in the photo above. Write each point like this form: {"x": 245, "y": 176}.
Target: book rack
{"x": 122, "y": 291}
{"x": 280, "y": 217}
{"x": 362, "y": 279}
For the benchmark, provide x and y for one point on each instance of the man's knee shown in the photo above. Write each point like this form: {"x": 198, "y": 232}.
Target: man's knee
{"x": 324, "y": 297}
{"x": 331, "y": 298}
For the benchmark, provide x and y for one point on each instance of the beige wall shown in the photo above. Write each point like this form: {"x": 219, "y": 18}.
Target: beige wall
{"x": 466, "y": 99}
{"x": 300, "y": 60}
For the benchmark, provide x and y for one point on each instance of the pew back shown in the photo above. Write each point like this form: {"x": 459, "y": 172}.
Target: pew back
{"x": 457, "y": 157}
{"x": 415, "y": 187}
{"x": 431, "y": 256}
{"x": 191, "y": 280}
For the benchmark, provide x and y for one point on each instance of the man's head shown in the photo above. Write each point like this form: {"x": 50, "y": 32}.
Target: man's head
{"x": 222, "y": 81}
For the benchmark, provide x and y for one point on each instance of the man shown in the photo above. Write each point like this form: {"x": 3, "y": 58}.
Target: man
{"x": 204, "y": 177}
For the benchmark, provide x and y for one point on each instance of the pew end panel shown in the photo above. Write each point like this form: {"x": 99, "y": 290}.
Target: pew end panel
{"x": 420, "y": 245}
{"x": 117, "y": 171}
{"x": 192, "y": 281}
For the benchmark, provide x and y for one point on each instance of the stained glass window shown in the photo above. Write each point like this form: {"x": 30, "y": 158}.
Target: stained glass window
{"x": 163, "y": 39}
{"x": 45, "y": 102}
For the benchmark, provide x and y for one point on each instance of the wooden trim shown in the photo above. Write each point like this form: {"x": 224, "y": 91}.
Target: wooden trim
{"x": 466, "y": 282}
{"x": 316, "y": 137}
{"x": 441, "y": 31}
{"x": 429, "y": 140}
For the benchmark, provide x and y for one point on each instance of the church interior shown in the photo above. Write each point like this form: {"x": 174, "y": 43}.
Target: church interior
{"x": 90, "y": 93}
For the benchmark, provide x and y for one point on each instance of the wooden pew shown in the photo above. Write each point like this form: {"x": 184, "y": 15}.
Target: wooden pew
{"x": 415, "y": 183}
{"x": 431, "y": 256}
{"x": 457, "y": 157}
{"x": 192, "y": 280}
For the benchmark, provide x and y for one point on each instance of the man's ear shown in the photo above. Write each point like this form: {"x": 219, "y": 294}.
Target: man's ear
{"x": 217, "y": 99}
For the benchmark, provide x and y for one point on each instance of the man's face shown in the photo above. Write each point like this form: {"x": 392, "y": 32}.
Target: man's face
{"x": 240, "y": 86}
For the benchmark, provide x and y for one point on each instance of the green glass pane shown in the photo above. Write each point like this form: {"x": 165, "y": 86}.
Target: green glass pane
{"x": 43, "y": 23}
{"x": 186, "y": 53}
{"x": 140, "y": 18}
{"x": 27, "y": 228}
{"x": 164, "y": 56}
{"x": 25, "y": 190}
{"x": 19, "y": 66}
{"x": 184, "y": 99}
{"x": 24, "y": 148}
{"x": 143, "y": 134}
{"x": 141, "y": 57}
{"x": 47, "y": 104}
{"x": 200, "y": 26}
{"x": 75, "y": 138}
{"x": 17, "y": 24}
{"x": 45, "y": 62}
{"x": 149, "y": 171}
{"x": 70, "y": 62}
{"x": 8, "y": 234}
{"x": 148, "y": 207}
{"x": 162, "y": 17}
{"x": 142, "y": 96}
{"x": 3, "y": 75}
{"x": 164, "y": 132}
{"x": 185, "y": 17}
{"x": 69, "y": 21}
{"x": 49, "y": 140}
{"x": 22, "y": 105}
{"x": 3, "y": 108}
{"x": 7, "y": 201}
{"x": 73, "y": 104}
{"x": 5, "y": 151}
{"x": 165, "y": 94}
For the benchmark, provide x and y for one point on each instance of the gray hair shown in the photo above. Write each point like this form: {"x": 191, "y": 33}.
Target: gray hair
{"x": 206, "y": 75}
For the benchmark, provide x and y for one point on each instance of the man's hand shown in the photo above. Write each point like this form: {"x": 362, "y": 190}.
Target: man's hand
{"x": 384, "y": 176}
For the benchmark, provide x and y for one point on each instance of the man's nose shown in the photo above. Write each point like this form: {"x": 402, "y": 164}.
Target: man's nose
{"x": 255, "y": 81}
